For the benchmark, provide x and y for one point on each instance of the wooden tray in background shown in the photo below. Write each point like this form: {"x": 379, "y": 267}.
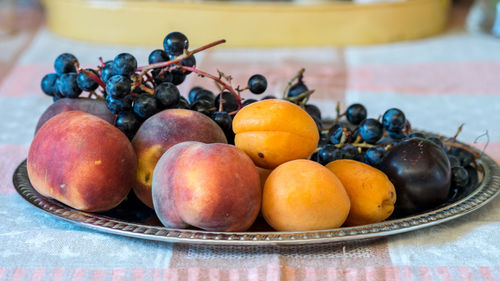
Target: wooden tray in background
{"x": 254, "y": 24}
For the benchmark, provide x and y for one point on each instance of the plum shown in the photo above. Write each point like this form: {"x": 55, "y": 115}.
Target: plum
{"x": 421, "y": 174}
{"x": 95, "y": 107}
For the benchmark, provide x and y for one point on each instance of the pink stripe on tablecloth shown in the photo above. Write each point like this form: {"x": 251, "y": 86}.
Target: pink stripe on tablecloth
{"x": 425, "y": 272}
{"x": 444, "y": 274}
{"x": 234, "y": 275}
{"x": 118, "y": 274}
{"x": 193, "y": 274}
{"x": 24, "y": 80}
{"x": 273, "y": 271}
{"x": 253, "y": 274}
{"x": 428, "y": 78}
{"x": 138, "y": 274}
{"x": 492, "y": 149}
{"x": 310, "y": 273}
{"x": 37, "y": 274}
{"x": 371, "y": 273}
{"x": 213, "y": 274}
{"x": 170, "y": 275}
{"x": 465, "y": 273}
{"x": 392, "y": 273}
{"x": 2, "y": 272}
{"x": 18, "y": 274}
{"x": 98, "y": 275}
{"x": 156, "y": 274}
{"x": 332, "y": 273}
{"x": 407, "y": 273}
{"x": 12, "y": 156}
{"x": 58, "y": 274}
{"x": 78, "y": 274}
{"x": 351, "y": 274}
{"x": 486, "y": 273}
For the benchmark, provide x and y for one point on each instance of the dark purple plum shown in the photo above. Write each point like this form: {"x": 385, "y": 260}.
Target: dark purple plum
{"x": 421, "y": 174}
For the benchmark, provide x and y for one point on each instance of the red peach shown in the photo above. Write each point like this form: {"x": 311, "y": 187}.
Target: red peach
{"x": 215, "y": 187}
{"x": 159, "y": 133}
{"x": 82, "y": 161}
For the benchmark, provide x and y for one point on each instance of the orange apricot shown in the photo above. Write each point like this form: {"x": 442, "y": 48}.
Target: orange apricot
{"x": 371, "y": 192}
{"x": 275, "y": 131}
{"x": 303, "y": 195}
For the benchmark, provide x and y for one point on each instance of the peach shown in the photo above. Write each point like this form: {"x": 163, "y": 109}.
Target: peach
{"x": 303, "y": 195}
{"x": 371, "y": 192}
{"x": 94, "y": 107}
{"x": 159, "y": 133}
{"x": 82, "y": 161}
{"x": 275, "y": 131}
{"x": 214, "y": 187}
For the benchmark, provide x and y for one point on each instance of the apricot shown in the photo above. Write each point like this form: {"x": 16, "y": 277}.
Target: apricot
{"x": 82, "y": 161}
{"x": 160, "y": 132}
{"x": 371, "y": 192}
{"x": 275, "y": 131}
{"x": 303, "y": 195}
{"x": 214, "y": 187}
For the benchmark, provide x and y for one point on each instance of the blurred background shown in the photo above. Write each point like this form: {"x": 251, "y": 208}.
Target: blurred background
{"x": 249, "y": 23}
{"x": 410, "y": 54}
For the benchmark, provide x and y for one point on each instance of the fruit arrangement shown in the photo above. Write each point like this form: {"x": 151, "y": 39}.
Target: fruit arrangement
{"x": 218, "y": 161}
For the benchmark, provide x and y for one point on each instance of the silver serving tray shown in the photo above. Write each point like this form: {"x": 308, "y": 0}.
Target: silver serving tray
{"x": 133, "y": 219}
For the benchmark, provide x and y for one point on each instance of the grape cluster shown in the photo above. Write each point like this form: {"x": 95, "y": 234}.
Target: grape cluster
{"x": 221, "y": 106}
{"x": 463, "y": 171}
{"x": 135, "y": 93}
{"x": 369, "y": 140}
{"x": 360, "y": 138}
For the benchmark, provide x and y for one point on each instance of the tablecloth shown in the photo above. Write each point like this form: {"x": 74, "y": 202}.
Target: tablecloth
{"x": 439, "y": 82}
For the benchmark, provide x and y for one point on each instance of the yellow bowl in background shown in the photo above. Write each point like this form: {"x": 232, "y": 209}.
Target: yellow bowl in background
{"x": 136, "y": 22}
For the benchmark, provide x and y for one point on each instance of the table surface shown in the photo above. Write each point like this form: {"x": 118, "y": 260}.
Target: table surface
{"x": 438, "y": 82}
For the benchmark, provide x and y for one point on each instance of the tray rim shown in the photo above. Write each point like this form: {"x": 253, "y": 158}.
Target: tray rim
{"x": 484, "y": 193}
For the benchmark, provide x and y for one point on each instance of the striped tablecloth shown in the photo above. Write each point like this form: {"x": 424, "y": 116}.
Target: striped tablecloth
{"x": 438, "y": 82}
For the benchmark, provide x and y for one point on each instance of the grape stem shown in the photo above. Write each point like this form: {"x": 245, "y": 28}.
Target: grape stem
{"x": 459, "y": 130}
{"x": 94, "y": 94}
{"x": 359, "y": 145}
{"x": 102, "y": 62}
{"x": 94, "y": 77}
{"x": 224, "y": 85}
{"x": 150, "y": 79}
{"x": 144, "y": 69}
{"x": 339, "y": 115}
{"x": 464, "y": 147}
{"x": 299, "y": 76}
{"x": 305, "y": 95}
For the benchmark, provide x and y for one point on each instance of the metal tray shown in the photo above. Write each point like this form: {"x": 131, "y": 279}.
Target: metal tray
{"x": 132, "y": 218}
